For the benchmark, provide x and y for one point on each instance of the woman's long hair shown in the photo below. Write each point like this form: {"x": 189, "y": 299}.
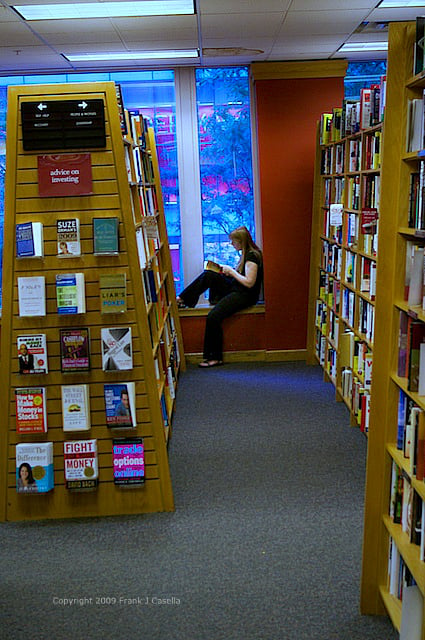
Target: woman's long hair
{"x": 242, "y": 235}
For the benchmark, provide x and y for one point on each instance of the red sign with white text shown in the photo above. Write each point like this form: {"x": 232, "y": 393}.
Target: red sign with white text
{"x": 67, "y": 174}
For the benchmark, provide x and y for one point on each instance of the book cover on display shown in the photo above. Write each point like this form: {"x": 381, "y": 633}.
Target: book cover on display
{"x": 116, "y": 348}
{"x": 120, "y": 405}
{"x": 32, "y": 296}
{"x": 113, "y": 292}
{"x": 32, "y": 353}
{"x": 128, "y": 458}
{"x": 75, "y": 407}
{"x": 70, "y": 293}
{"x": 105, "y": 236}
{"x": 81, "y": 464}
{"x": 29, "y": 240}
{"x": 34, "y": 467}
{"x": 68, "y": 238}
{"x": 74, "y": 349}
{"x": 31, "y": 414}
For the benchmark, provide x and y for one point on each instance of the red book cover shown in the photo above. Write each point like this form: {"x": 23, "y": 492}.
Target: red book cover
{"x": 31, "y": 414}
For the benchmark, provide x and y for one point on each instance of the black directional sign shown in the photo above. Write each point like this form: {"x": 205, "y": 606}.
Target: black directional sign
{"x": 63, "y": 124}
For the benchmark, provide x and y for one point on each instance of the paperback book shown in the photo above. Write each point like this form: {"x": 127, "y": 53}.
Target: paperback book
{"x": 210, "y": 265}
{"x": 34, "y": 467}
{"x": 31, "y": 414}
{"x": 32, "y": 353}
{"x": 116, "y": 348}
{"x": 68, "y": 238}
{"x": 105, "y": 236}
{"x": 75, "y": 407}
{"x": 70, "y": 293}
{"x": 29, "y": 240}
{"x": 120, "y": 405}
{"x": 32, "y": 296}
{"x": 128, "y": 457}
{"x": 113, "y": 292}
{"x": 74, "y": 349}
{"x": 81, "y": 464}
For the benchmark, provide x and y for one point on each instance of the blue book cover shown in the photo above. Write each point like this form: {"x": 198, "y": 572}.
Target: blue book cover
{"x": 401, "y": 419}
{"x": 24, "y": 240}
{"x": 120, "y": 406}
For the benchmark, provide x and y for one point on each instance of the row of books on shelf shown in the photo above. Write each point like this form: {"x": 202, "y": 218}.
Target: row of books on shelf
{"x": 338, "y": 159}
{"x": 346, "y": 230}
{"x": 354, "y": 114}
{"x": 411, "y": 352}
{"x": 35, "y": 465}
{"x": 71, "y": 297}
{"x": 119, "y": 398}
{"x": 74, "y": 349}
{"x": 30, "y": 242}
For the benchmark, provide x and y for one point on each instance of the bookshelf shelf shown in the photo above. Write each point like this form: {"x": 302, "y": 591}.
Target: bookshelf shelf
{"x": 396, "y": 408}
{"x": 150, "y": 310}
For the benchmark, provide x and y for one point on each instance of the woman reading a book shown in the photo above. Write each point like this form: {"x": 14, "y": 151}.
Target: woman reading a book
{"x": 230, "y": 291}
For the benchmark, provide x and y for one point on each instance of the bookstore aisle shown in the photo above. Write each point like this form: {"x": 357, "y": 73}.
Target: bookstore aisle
{"x": 265, "y": 542}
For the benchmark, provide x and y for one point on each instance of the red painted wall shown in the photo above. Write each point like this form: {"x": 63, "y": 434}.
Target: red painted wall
{"x": 287, "y": 114}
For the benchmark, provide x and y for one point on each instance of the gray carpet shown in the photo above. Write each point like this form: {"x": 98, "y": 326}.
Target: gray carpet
{"x": 265, "y": 543}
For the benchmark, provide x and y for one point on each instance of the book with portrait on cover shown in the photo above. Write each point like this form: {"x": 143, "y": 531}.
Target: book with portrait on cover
{"x": 34, "y": 467}
{"x": 120, "y": 405}
{"x": 32, "y": 353}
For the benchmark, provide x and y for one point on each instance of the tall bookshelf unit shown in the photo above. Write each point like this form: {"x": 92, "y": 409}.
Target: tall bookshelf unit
{"x": 118, "y": 191}
{"x": 343, "y": 265}
{"x": 380, "y": 528}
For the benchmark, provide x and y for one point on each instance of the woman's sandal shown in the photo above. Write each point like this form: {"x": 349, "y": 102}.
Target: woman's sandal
{"x": 207, "y": 364}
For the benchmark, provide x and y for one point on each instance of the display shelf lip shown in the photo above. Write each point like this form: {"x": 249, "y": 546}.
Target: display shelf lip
{"x": 417, "y": 234}
{"x": 402, "y": 384}
{"x": 404, "y": 463}
{"x": 392, "y": 606}
{"x": 416, "y": 81}
{"x": 416, "y": 312}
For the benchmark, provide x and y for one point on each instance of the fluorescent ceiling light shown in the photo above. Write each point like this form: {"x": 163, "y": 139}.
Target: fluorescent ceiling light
{"x": 133, "y": 55}
{"x": 364, "y": 46}
{"x": 400, "y": 4}
{"x": 105, "y": 9}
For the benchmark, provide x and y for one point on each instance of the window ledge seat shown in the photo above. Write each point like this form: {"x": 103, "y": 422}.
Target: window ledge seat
{"x": 204, "y": 309}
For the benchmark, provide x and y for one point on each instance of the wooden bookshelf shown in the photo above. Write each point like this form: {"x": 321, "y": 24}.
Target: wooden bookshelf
{"x": 387, "y": 385}
{"x": 115, "y": 193}
{"x": 343, "y": 263}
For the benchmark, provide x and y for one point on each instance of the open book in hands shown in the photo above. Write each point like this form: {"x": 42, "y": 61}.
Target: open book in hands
{"x": 209, "y": 265}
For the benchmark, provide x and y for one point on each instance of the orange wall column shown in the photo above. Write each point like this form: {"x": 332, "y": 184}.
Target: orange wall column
{"x": 290, "y": 97}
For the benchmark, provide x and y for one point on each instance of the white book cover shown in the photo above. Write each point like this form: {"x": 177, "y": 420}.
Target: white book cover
{"x": 80, "y": 463}
{"x": 411, "y": 613}
{"x": 32, "y": 353}
{"x": 117, "y": 354}
{"x": 68, "y": 238}
{"x": 32, "y": 296}
{"x": 75, "y": 407}
{"x": 416, "y": 278}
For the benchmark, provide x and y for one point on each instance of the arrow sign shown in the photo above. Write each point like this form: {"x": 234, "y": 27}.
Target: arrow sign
{"x": 83, "y": 104}
{"x": 42, "y": 106}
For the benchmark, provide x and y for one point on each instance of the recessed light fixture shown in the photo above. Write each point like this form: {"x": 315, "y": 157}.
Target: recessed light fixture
{"x": 132, "y": 55}
{"x": 71, "y": 10}
{"x": 400, "y": 4}
{"x": 364, "y": 46}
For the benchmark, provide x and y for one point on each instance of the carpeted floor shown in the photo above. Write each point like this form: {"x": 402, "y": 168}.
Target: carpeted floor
{"x": 265, "y": 542}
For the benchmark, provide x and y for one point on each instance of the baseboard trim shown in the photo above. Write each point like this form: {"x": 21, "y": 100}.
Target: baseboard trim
{"x": 260, "y": 355}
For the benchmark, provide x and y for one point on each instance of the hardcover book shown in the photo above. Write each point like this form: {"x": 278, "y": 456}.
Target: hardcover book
{"x": 34, "y": 467}
{"x": 105, "y": 236}
{"x": 129, "y": 461}
{"x": 70, "y": 293}
{"x": 32, "y": 296}
{"x": 116, "y": 348}
{"x": 120, "y": 404}
{"x": 31, "y": 414}
{"x": 29, "y": 240}
{"x": 32, "y": 353}
{"x": 113, "y": 292}
{"x": 68, "y": 238}
{"x": 74, "y": 349}
{"x": 75, "y": 407}
{"x": 81, "y": 464}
